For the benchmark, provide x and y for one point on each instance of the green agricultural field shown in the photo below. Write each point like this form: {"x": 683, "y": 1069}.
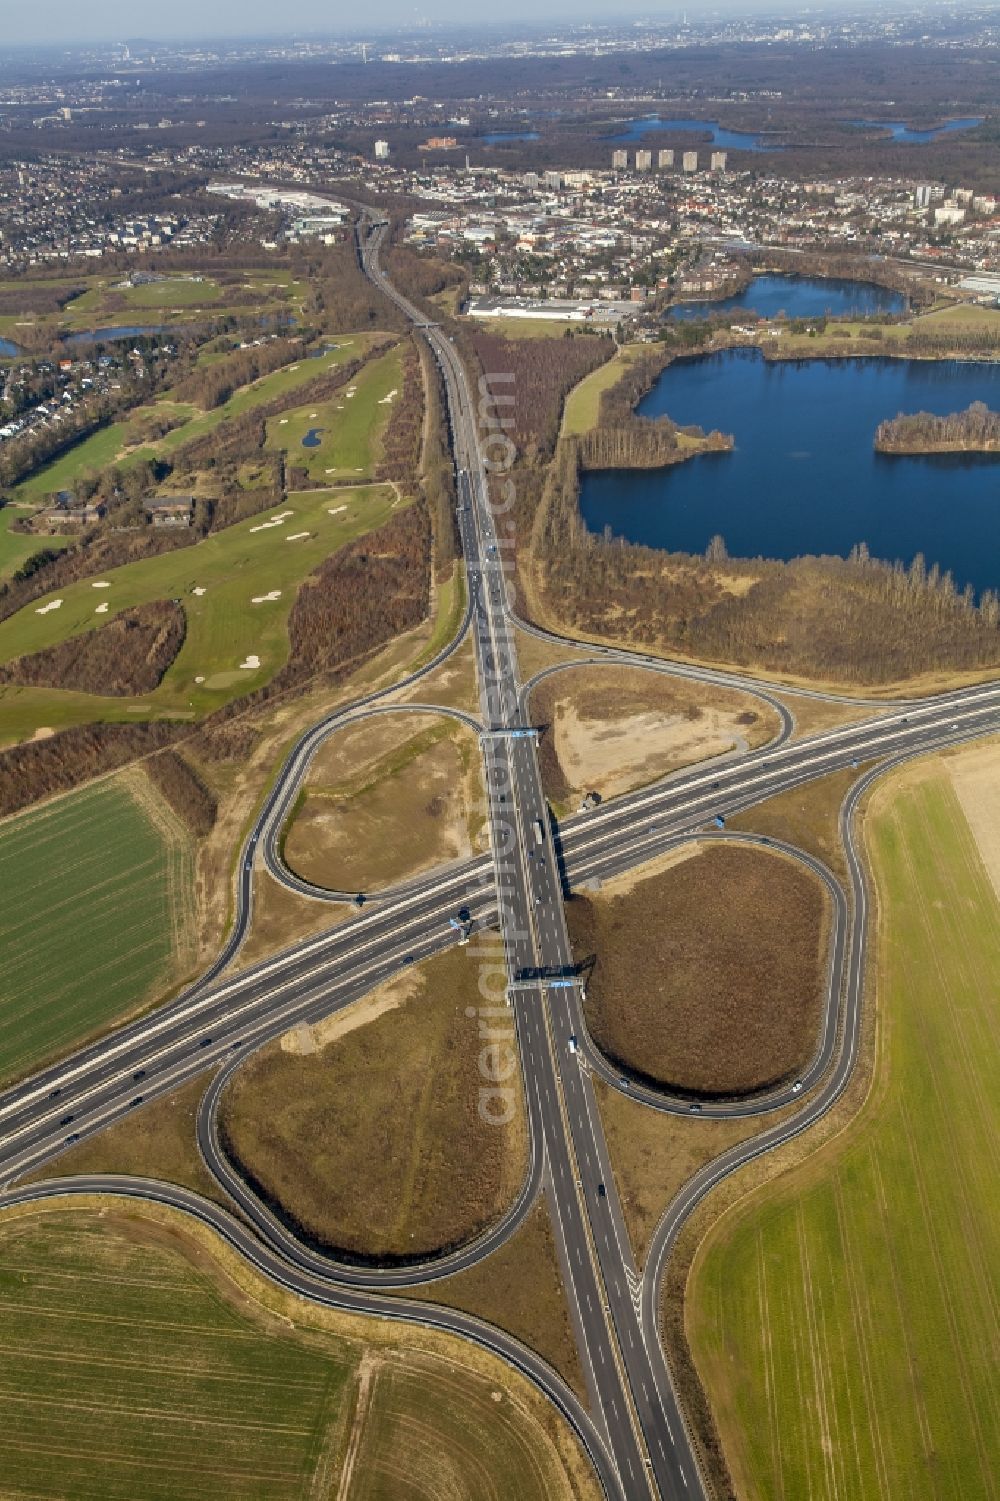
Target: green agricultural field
{"x": 458, "y": 1441}
{"x": 16, "y": 546}
{"x": 237, "y": 634}
{"x": 128, "y": 1371}
{"x": 844, "y": 1320}
{"x": 349, "y": 427}
{"x": 96, "y": 915}
{"x": 134, "y": 1367}
{"x": 109, "y": 444}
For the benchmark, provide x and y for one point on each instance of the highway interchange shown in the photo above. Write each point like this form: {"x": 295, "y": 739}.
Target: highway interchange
{"x": 632, "y": 1426}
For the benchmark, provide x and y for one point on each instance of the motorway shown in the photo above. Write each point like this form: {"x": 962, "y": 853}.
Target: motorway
{"x": 634, "y": 1429}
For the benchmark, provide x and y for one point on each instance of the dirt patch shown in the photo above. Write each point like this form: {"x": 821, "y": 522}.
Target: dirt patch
{"x": 611, "y": 729}
{"x": 43, "y": 732}
{"x": 709, "y": 977}
{"x": 410, "y": 810}
{"x": 975, "y": 776}
{"x": 313, "y": 1039}
{"x": 348, "y": 755}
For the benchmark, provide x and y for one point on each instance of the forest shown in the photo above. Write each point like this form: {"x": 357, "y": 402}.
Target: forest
{"x": 127, "y": 656}
{"x": 976, "y": 430}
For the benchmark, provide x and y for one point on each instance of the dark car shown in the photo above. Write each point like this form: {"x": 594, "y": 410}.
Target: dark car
{"x": 140, "y": 1073}
{"x": 66, "y": 1120}
{"x": 602, "y": 1192}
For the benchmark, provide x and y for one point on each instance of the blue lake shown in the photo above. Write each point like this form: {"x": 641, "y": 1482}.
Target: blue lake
{"x": 109, "y": 335}
{"x": 906, "y": 136}
{"x": 730, "y": 140}
{"x": 800, "y": 297}
{"x": 804, "y": 476}
{"x": 501, "y": 137}
{"x": 7, "y": 349}
{"x": 312, "y": 438}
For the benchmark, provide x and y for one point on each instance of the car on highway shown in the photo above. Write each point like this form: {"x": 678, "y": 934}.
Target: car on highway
{"x": 797, "y": 1087}
{"x": 573, "y": 1046}
{"x": 602, "y": 1192}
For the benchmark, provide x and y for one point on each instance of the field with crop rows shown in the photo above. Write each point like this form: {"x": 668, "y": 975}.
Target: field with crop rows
{"x": 96, "y": 912}
{"x": 845, "y": 1320}
{"x": 126, "y": 1372}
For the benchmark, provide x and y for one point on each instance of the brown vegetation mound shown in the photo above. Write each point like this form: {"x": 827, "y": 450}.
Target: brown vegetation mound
{"x": 372, "y": 1145}
{"x": 707, "y": 978}
{"x": 129, "y": 655}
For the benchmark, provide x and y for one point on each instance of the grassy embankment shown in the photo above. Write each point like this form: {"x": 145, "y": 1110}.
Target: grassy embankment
{"x": 126, "y": 1331}
{"x": 123, "y": 442}
{"x": 387, "y": 799}
{"x": 856, "y": 336}
{"x": 707, "y": 976}
{"x": 583, "y": 404}
{"x": 375, "y": 1145}
{"x": 844, "y": 1318}
{"x": 233, "y": 622}
{"x": 97, "y": 915}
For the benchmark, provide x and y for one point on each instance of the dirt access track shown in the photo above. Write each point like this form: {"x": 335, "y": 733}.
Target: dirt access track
{"x": 610, "y": 729}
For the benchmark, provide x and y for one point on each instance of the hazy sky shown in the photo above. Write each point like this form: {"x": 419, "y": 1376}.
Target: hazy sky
{"x": 98, "y": 20}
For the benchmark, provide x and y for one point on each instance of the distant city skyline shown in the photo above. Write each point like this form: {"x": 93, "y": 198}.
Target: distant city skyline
{"x": 62, "y": 22}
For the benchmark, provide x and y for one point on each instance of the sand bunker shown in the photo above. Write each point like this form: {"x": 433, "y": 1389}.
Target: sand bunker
{"x": 283, "y": 421}
{"x": 296, "y": 536}
{"x": 335, "y": 510}
{"x": 385, "y": 401}
{"x": 101, "y": 584}
{"x": 102, "y": 609}
{"x": 278, "y": 520}
{"x": 53, "y": 604}
{"x": 252, "y": 662}
{"x": 198, "y": 589}
{"x": 200, "y": 679}
{"x": 44, "y": 732}
{"x": 264, "y": 599}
